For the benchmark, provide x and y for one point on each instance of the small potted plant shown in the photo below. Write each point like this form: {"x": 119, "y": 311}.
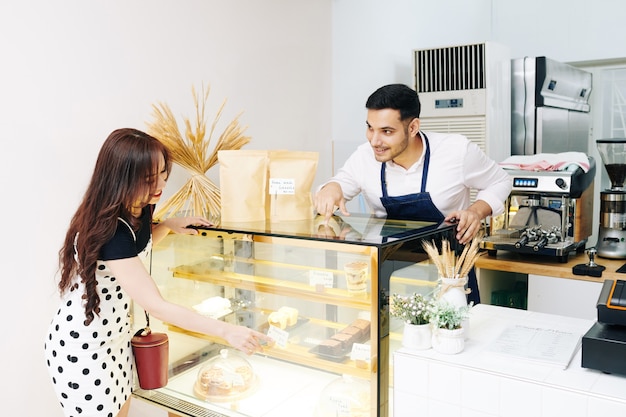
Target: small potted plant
{"x": 448, "y": 332}
{"x": 415, "y": 311}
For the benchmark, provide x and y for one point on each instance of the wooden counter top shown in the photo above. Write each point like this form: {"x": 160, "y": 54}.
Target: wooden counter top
{"x": 549, "y": 266}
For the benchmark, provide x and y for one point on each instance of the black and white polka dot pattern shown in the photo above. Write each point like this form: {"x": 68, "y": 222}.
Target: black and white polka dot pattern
{"x": 92, "y": 366}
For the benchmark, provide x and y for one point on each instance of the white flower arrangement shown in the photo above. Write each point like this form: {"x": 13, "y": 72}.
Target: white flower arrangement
{"x": 411, "y": 309}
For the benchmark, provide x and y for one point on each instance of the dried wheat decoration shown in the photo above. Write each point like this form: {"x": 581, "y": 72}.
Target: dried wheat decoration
{"x": 199, "y": 196}
{"x": 447, "y": 263}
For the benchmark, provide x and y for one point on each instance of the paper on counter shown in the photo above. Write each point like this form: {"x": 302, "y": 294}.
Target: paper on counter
{"x": 545, "y": 345}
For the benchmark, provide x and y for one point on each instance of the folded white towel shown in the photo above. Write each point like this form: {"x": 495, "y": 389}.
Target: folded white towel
{"x": 564, "y": 161}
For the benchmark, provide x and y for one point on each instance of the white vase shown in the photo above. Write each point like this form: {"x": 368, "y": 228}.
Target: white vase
{"x": 453, "y": 291}
{"x": 447, "y": 341}
{"x": 417, "y": 336}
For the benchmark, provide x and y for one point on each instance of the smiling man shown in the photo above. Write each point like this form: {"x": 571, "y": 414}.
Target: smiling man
{"x": 407, "y": 174}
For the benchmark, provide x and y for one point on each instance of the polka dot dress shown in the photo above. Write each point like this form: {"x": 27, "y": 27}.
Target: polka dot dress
{"x": 91, "y": 366}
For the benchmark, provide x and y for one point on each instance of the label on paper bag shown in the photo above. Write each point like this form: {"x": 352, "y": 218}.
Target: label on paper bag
{"x": 282, "y": 186}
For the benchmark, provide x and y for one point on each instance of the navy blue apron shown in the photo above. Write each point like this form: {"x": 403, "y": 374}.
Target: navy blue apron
{"x": 420, "y": 207}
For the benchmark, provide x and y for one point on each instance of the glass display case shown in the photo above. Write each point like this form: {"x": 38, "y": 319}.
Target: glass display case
{"x": 321, "y": 291}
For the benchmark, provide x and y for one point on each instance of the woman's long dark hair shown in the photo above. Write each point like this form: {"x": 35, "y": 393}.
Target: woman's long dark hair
{"x": 126, "y": 172}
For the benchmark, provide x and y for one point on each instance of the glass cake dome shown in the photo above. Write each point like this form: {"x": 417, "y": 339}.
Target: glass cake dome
{"x": 346, "y": 396}
{"x": 225, "y": 377}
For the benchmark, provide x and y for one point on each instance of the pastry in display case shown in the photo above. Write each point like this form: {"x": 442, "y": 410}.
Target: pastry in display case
{"x": 226, "y": 377}
{"x": 215, "y": 307}
{"x": 337, "y": 346}
{"x": 322, "y": 299}
{"x": 285, "y": 316}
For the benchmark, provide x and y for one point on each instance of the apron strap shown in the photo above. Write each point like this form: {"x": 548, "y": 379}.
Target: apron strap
{"x": 426, "y": 164}
{"x": 129, "y": 228}
{"x": 146, "y": 330}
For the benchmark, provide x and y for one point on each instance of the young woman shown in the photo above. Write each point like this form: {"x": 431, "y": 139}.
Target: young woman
{"x": 88, "y": 348}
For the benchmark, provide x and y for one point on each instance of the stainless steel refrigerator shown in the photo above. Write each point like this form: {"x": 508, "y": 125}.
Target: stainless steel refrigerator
{"x": 550, "y": 110}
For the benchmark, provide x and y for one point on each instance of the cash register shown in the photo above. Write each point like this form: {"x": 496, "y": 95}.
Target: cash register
{"x": 604, "y": 344}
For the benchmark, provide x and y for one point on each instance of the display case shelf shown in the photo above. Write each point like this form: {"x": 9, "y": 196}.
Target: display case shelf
{"x": 262, "y": 267}
{"x": 339, "y": 297}
{"x": 297, "y": 354}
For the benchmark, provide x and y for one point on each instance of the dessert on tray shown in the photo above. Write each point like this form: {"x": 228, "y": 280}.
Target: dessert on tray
{"x": 341, "y": 343}
{"x": 283, "y": 318}
{"x": 214, "y": 307}
{"x": 227, "y": 376}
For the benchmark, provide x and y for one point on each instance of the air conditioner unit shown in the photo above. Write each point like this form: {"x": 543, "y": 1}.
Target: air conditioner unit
{"x": 467, "y": 90}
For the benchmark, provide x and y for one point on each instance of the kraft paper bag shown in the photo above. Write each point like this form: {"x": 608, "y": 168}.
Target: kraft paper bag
{"x": 243, "y": 185}
{"x": 274, "y": 185}
{"x": 291, "y": 176}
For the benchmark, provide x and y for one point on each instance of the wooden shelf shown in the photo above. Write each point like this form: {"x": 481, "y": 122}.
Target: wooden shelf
{"x": 547, "y": 266}
{"x": 333, "y": 296}
{"x": 294, "y": 353}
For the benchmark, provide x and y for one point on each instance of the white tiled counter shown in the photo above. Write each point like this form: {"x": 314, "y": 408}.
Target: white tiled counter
{"x": 479, "y": 383}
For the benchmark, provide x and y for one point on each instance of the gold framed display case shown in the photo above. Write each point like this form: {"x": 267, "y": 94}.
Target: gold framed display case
{"x": 320, "y": 290}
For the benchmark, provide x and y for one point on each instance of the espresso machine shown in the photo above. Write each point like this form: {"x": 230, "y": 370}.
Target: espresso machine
{"x": 612, "y": 233}
{"x": 547, "y": 213}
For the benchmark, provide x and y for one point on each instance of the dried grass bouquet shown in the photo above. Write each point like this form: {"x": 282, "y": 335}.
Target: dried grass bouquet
{"x": 199, "y": 196}
{"x": 448, "y": 264}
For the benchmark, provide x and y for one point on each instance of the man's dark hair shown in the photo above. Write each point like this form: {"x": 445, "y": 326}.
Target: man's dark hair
{"x": 398, "y": 97}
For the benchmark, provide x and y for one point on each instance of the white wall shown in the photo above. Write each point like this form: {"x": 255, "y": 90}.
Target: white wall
{"x": 373, "y": 41}
{"x": 71, "y": 71}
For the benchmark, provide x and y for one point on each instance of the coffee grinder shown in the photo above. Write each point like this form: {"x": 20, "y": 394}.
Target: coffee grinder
{"x": 612, "y": 233}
